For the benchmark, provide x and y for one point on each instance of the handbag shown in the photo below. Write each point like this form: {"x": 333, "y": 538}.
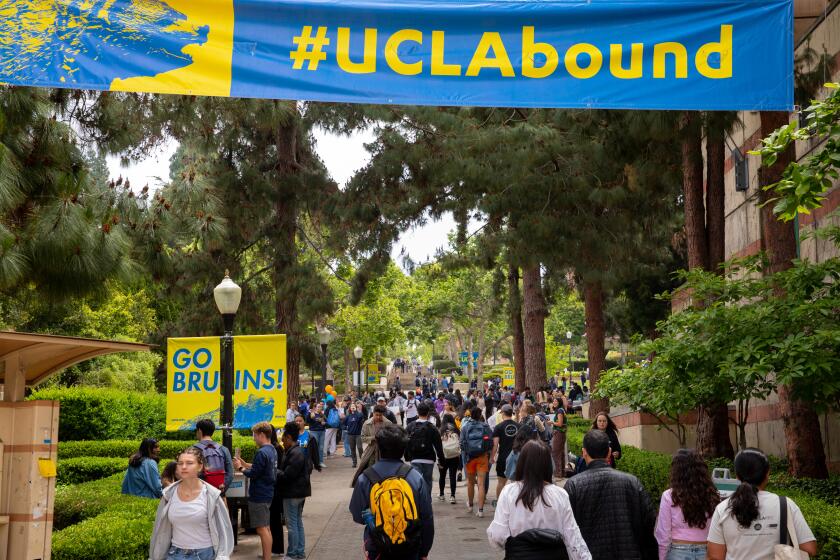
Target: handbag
{"x": 783, "y": 550}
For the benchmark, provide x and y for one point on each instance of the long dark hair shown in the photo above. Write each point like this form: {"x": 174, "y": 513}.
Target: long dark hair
{"x": 145, "y": 451}
{"x": 692, "y": 489}
{"x": 751, "y": 467}
{"x": 610, "y": 424}
{"x": 533, "y": 470}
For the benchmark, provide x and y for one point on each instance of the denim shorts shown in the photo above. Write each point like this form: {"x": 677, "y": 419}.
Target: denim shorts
{"x": 686, "y": 552}
{"x": 176, "y": 553}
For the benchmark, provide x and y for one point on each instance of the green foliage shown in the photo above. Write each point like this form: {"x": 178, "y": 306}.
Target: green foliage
{"x": 85, "y": 469}
{"x": 169, "y": 449}
{"x": 102, "y": 414}
{"x": 804, "y": 185}
{"x": 816, "y": 498}
{"x": 118, "y": 534}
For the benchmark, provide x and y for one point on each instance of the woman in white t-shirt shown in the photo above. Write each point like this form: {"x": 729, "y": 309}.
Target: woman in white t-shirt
{"x": 533, "y": 516}
{"x": 192, "y": 520}
{"x": 746, "y": 526}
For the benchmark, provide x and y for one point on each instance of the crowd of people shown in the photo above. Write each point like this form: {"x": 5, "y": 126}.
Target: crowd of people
{"x": 396, "y": 441}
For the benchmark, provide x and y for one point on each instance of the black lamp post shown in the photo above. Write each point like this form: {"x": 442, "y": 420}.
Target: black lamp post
{"x": 227, "y": 295}
{"x": 357, "y": 352}
{"x": 324, "y": 340}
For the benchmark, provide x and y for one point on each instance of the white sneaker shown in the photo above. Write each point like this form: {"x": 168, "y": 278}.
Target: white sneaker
{"x": 479, "y": 513}
{"x": 451, "y": 499}
{"x": 441, "y": 497}
{"x": 323, "y": 465}
{"x": 469, "y": 508}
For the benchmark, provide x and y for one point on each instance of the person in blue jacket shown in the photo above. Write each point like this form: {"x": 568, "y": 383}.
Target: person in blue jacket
{"x": 143, "y": 477}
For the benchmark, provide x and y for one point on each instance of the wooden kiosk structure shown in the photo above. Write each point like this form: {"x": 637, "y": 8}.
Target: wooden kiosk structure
{"x": 29, "y": 435}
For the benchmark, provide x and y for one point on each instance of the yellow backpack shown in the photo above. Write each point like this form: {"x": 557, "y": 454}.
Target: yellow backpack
{"x": 397, "y": 523}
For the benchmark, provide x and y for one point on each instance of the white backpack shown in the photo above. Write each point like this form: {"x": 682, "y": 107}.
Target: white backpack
{"x": 451, "y": 445}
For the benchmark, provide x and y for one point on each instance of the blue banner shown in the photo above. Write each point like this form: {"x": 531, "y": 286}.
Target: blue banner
{"x": 644, "y": 54}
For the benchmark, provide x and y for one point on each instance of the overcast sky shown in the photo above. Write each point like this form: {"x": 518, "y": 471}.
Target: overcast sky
{"x": 342, "y": 155}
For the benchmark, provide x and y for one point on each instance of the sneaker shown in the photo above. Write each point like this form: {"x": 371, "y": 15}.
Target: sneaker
{"x": 441, "y": 497}
{"x": 451, "y": 499}
{"x": 323, "y": 465}
{"x": 479, "y": 513}
{"x": 460, "y": 477}
{"x": 469, "y": 508}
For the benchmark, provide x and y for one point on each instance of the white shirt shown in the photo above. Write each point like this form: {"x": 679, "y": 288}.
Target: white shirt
{"x": 290, "y": 415}
{"x": 190, "y": 521}
{"x": 512, "y": 518}
{"x": 411, "y": 409}
{"x": 756, "y": 541}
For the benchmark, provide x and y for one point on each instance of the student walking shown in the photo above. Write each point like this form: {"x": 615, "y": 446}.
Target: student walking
{"x": 476, "y": 445}
{"x": 353, "y": 424}
{"x": 533, "y": 517}
{"x": 192, "y": 522}
{"x": 317, "y": 429}
{"x": 295, "y": 486}
{"x": 604, "y": 423}
{"x": 404, "y": 532}
{"x": 262, "y": 473}
{"x": 611, "y": 507}
{"x": 142, "y": 477}
{"x": 424, "y": 447}
{"x": 685, "y": 508}
{"x": 503, "y": 436}
{"x": 451, "y": 444}
{"x": 218, "y": 469}
{"x": 333, "y": 419}
{"x": 733, "y": 531}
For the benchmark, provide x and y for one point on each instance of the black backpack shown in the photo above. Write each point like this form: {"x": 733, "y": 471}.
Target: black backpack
{"x": 418, "y": 442}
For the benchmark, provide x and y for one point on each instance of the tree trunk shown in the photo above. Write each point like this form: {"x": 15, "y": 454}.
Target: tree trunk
{"x": 713, "y": 420}
{"x": 695, "y": 214}
{"x": 348, "y": 370}
{"x": 285, "y": 259}
{"x": 534, "y": 327}
{"x": 713, "y": 431}
{"x": 593, "y": 297}
{"x": 802, "y": 426}
{"x": 515, "y": 319}
{"x": 715, "y": 197}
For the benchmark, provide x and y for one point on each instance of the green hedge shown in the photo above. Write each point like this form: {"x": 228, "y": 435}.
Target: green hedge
{"x": 125, "y": 448}
{"x": 818, "y": 499}
{"x": 119, "y": 533}
{"x": 85, "y": 469}
{"x": 78, "y": 502}
{"x": 96, "y": 413}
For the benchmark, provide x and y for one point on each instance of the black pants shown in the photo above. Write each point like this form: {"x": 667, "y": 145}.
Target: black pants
{"x": 451, "y": 466}
{"x": 277, "y": 544}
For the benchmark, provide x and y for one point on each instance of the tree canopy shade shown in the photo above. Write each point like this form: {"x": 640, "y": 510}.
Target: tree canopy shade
{"x": 749, "y": 338}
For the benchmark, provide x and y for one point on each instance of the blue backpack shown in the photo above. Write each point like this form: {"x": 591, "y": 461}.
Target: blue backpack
{"x": 333, "y": 420}
{"x": 476, "y": 439}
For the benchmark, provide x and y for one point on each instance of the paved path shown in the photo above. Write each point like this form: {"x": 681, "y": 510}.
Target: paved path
{"x": 332, "y": 535}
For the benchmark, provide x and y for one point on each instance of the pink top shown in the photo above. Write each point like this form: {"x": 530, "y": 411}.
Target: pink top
{"x": 671, "y": 525}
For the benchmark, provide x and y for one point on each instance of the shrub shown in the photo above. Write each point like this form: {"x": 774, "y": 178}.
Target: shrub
{"x": 78, "y": 502}
{"x": 116, "y": 534}
{"x": 439, "y": 365}
{"x": 125, "y": 448}
{"x": 97, "y": 413}
{"x": 85, "y": 469}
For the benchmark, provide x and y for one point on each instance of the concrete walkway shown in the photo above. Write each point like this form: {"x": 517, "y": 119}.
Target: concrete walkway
{"x": 332, "y": 535}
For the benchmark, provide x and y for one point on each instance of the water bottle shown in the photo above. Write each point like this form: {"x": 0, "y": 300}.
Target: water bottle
{"x": 367, "y": 517}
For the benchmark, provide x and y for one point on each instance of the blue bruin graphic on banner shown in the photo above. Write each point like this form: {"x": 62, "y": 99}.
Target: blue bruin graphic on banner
{"x": 646, "y": 54}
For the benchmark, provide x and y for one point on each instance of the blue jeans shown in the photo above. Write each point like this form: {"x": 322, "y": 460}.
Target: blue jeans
{"x": 686, "y": 552}
{"x": 426, "y": 469}
{"x": 346, "y": 443}
{"x": 319, "y": 437}
{"x": 176, "y": 553}
{"x": 294, "y": 524}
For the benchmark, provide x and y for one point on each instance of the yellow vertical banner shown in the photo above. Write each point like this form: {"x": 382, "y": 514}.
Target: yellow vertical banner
{"x": 259, "y": 363}
{"x": 193, "y": 381}
{"x": 508, "y": 377}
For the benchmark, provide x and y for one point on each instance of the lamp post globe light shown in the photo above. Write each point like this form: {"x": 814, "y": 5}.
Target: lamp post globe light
{"x": 227, "y": 295}
{"x": 357, "y": 352}
{"x": 323, "y": 340}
